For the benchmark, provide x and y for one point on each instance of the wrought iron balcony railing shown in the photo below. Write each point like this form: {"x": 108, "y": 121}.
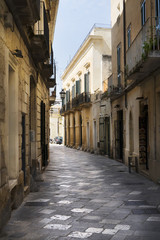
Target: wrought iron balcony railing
{"x": 49, "y": 67}
{"x": 142, "y": 57}
{"x": 40, "y": 37}
{"x": 28, "y": 11}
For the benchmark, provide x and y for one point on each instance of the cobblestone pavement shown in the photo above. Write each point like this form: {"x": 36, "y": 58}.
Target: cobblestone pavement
{"x": 85, "y": 196}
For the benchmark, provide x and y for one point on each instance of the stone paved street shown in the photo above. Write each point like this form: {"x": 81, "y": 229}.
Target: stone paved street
{"x": 86, "y": 196}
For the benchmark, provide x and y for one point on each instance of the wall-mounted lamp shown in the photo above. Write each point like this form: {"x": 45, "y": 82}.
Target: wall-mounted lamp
{"x": 139, "y": 98}
{"x": 17, "y": 53}
{"x": 117, "y": 106}
{"x": 62, "y": 94}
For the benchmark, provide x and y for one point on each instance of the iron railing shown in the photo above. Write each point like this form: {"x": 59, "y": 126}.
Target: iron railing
{"x": 114, "y": 87}
{"x": 41, "y": 27}
{"x": 146, "y": 41}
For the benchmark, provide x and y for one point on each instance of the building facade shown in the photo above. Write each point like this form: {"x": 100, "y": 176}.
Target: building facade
{"x": 134, "y": 86}
{"x": 84, "y": 80}
{"x": 56, "y": 121}
{"x": 26, "y": 56}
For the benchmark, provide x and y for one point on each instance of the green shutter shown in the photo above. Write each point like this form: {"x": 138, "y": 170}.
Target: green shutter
{"x": 69, "y": 95}
{"x": 78, "y": 87}
{"x": 86, "y": 82}
{"x": 72, "y": 92}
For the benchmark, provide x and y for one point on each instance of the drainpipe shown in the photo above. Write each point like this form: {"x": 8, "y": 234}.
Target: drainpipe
{"x": 124, "y": 47}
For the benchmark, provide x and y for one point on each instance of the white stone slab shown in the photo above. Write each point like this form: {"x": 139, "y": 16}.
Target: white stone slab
{"x": 94, "y": 230}
{"x": 81, "y": 210}
{"x": 110, "y": 231}
{"x": 153, "y": 219}
{"x": 40, "y": 200}
{"x": 135, "y": 193}
{"x": 60, "y": 217}
{"x": 80, "y": 235}
{"x": 47, "y": 211}
{"x": 65, "y": 202}
{"x": 57, "y": 226}
{"x": 122, "y": 227}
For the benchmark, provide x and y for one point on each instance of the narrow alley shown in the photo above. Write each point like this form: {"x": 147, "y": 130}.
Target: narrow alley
{"x": 86, "y": 196}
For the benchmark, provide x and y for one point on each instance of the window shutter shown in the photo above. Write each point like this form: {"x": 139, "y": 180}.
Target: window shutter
{"x": 72, "y": 92}
{"x": 79, "y": 86}
{"x": 76, "y": 87}
{"x": 69, "y": 95}
{"x": 86, "y": 82}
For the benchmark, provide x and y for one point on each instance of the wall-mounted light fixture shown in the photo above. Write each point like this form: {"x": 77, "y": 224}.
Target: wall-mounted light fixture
{"x": 139, "y": 98}
{"x": 117, "y": 106}
{"x": 62, "y": 94}
{"x": 17, "y": 53}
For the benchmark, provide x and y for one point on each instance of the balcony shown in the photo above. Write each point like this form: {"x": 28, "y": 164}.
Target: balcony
{"x": 28, "y": 11}
{"x": 115, "y": 89}
{"x": 49, "y": 66}
{"x": 53, "y": 97}
{"x": 143, "y": 56}
{"x": 40, "y": 37}
{"x": 51, "y": 82}
{"x": 68, "y": 106}
{"x": 82, "y": 100}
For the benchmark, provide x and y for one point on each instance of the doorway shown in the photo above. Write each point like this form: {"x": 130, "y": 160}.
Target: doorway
{"x": 143, "y": 136}
{"x": 23, "y": 148}
{"x": 107, "y": 136}
{"x": 95, "y": 135}
{"x": 88, "y": 136}
{"x": 32, "y": 120}
{"x": 74, "y": 131}
{"x": 43, "y": 134}
{"x": 118, "y": 127}
{"x": 80, "y": 130}
{"x": 131, "y": 134}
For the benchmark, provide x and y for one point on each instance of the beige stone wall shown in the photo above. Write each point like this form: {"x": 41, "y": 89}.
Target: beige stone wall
{"x": 146, "y": 93}
{"x": 15, "y": 102}
{"x": 94, "y": 57}
{"x": 56, "y": 122}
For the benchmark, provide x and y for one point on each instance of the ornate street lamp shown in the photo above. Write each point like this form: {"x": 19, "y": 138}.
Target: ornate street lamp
{"x": 62, "y": 95}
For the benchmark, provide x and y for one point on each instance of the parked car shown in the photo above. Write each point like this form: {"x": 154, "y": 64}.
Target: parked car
{"x": 58, "y": 140}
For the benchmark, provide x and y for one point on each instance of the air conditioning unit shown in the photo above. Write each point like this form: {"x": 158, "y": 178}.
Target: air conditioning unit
{"x": 8, "y": 20}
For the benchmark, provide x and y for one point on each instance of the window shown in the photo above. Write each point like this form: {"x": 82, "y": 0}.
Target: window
{"x": 78, "y": 87}
{"x": 86, "y": 82}
{"x": 119, "y": 64}
{"x": 143, "y": 12}
{"x": 129, "y": 36}
{"x": 73, "y": 91}
{"x": 157, "y": 4}
{"x": 67, "y": 96}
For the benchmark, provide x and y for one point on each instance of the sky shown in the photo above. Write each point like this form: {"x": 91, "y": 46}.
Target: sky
{"x": 75, "y": 19}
